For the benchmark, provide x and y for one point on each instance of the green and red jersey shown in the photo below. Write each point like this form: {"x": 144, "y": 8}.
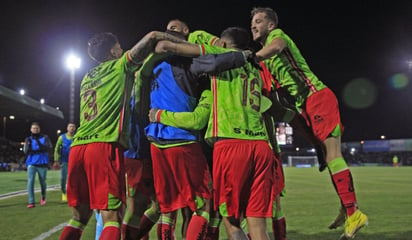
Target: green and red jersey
{"x": 236, "y": 105}
{"x": 202, "y": 37}
{"x": 105, "y": 94}
{"x": 237, "y": 110}
{"x": 291, "y": 70}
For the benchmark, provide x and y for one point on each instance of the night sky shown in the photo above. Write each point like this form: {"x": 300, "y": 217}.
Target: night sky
{"x": 360, "y": 50}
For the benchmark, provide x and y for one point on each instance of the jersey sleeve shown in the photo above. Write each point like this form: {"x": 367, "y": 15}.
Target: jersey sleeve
{"x": 57, "y": 148}
{"x": 195, "y": 120}
{"x": 128, "y": 62}
{"x": 216, "y": 63}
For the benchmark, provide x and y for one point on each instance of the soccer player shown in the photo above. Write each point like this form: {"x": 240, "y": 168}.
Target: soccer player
{"x": 242, "y": 157}
{"x": 61, "y": 156}
{"x": 175, "y": 87}
{"x": 140, "y": 216}
{"x": 316, "y": 102}
{"x": 96, "y": 178}
{"x": 37, "y": 148}
{"x": 199, "y": 37}
{"x": 197, "y": 120}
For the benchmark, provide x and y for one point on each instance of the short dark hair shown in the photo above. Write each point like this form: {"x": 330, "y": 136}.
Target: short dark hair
{"x": 239, "y": 37}
{"x": 179, "y": 20}
{"x": 100, "y": 44}
{"x": 269, "y": 12}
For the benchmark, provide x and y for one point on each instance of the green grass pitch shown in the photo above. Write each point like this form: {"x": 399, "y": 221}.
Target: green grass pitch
{"x": 310, "y": 204}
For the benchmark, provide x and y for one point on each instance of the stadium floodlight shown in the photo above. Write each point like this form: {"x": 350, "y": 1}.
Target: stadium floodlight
{"x": 42, "y": 100}
{"x": 22, "y": 92}
{"x": 72, "y": 62}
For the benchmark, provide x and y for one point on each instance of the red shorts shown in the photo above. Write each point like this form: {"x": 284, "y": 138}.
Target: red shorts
{"x": 180, "y": 175}
{"x": 322, "y": 113}
{"x": 96, "y": 170}
{"x": 243, "y": 177}
{"x": 139, "y": 175}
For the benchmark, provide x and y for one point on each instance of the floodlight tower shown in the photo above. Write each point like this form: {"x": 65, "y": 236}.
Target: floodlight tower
{"x": 72, "y": 63}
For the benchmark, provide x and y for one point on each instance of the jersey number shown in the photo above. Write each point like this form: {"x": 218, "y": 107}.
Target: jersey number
{"x": 90, "y": 96}
{"x": 255, "y": 96}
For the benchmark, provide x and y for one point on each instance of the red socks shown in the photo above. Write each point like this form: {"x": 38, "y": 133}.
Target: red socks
{"x": 279, "y": 228}
{"x": 110, "y": 233}
{"x": 197, "y": 228}
{"x": 145, "y": 226}
{"x": 129, "y": 232}
{"x": 344, "y": 186}
{"x": 165, "y": 231}
{"x": 71, "y": 233}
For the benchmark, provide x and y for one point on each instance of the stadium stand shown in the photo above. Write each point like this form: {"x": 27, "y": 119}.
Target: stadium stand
{"x": 25, "y": 110}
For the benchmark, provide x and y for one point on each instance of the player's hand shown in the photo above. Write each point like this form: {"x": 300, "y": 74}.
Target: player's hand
{"x": 251, "y": 58}
{"x": 152, "y": 115}
{"x": 56, "y": 165}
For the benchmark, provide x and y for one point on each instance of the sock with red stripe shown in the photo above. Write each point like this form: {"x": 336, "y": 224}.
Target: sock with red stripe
{"x": 111, "y": 231}
{"x": 149, "y": 218}
{"x": 197, "y": 228}
{"x": 165, "y": 228}
{"x": 72, "y": 231}
{"x": 342, "y": 180}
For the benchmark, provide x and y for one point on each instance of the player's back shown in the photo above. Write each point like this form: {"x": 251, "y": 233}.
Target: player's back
{"x": 237, "y": 110}
{"x": 104, "y": 103}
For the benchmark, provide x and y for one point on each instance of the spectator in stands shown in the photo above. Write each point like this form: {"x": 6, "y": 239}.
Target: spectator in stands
{"x": 37, "y": 147}
{"x": 61, "y": 156}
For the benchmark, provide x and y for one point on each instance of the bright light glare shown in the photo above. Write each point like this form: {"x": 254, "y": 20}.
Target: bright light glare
{"x": 73, "y": 62}
{"x": 22, "y": 92}
{"x": 42, "y": 101}
{"x": 11, "y": 117}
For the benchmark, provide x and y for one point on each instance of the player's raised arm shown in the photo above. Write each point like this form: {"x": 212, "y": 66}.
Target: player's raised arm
{"x": 276, "y": 46}
{"x": 147, "y": 44}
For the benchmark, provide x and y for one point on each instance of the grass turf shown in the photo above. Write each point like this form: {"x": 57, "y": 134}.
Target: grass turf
{"x": 310, "y": 204}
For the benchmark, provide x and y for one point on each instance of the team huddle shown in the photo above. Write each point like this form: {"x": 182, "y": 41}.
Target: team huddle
{"x": 185, "y": 120}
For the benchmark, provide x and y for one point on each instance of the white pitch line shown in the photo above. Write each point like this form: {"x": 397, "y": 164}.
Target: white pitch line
{"x": 24, "y": 192}
{"x": 50, "y": 232}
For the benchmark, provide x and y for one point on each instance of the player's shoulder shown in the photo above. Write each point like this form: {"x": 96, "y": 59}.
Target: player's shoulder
{"x": 202, "y": 37}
